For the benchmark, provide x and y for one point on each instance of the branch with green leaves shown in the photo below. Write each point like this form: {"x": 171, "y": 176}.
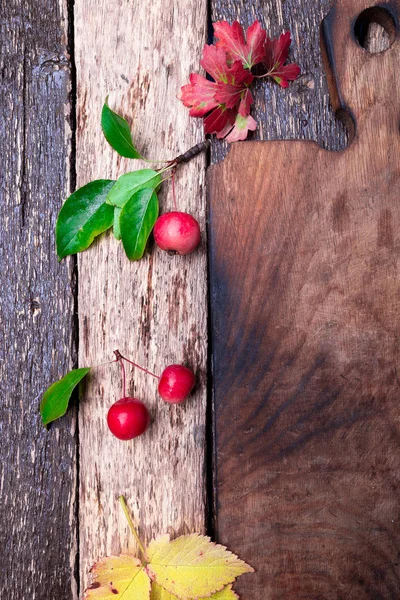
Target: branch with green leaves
{"x": 128, "y": 205}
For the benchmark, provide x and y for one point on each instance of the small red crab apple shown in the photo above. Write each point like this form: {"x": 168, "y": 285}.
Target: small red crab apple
{"x": 176, "y": 383}
{"x": 177, "y": 231}
{"x": 128, "y": 418}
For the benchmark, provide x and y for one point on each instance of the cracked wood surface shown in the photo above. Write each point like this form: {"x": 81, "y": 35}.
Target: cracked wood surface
{"x": 153, "y": 311}
{"x": 37, "y": 345}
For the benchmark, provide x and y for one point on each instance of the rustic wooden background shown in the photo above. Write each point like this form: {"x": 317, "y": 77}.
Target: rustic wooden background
{"x": 58, "y": 61}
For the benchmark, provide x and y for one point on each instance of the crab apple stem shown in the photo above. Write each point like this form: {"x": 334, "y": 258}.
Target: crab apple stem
{"x": 119, "y": 359}
{"x": 132, "y": 527}
{"x": 154, "y": 162}
{"x": 109, "y": 362}
{"x": 117, "y": 353}
{"x": 173, "y": 188}
{"x": 123, "y": 377}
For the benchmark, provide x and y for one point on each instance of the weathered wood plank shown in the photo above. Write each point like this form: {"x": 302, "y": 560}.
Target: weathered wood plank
{"x": 306, "y": 372}
{"x": 153, "y": 311}
{"x": 38, "y": 468}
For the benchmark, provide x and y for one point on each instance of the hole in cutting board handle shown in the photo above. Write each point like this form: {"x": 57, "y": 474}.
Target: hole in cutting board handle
{"x": 375, "y": 29}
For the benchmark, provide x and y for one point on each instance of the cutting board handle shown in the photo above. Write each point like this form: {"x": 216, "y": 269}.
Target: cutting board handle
{"x": 363, "y": 86}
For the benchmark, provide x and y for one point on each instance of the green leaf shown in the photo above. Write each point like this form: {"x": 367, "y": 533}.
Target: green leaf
{"x": 130, "y": 183}
{"x": 117, "y": 227}
{"x": 117, "y": 133}
{"x": 56, "y": 398}
{"x": 137, "y": 221}
{"x": 83, "y": 216}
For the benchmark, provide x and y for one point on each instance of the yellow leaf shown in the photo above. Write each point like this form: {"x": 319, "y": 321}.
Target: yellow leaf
{"x": 119, "y": 577}
{"x": 158, "y": 593}
{"x": 192, "y": 567}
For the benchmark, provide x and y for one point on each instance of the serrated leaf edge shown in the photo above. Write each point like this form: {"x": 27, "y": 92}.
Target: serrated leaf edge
{"x": 206, "y": 538}
{"x": 167, "y": 539}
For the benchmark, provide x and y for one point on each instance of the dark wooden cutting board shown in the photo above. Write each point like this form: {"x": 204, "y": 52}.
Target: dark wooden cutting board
{"x": 305, "y": 304}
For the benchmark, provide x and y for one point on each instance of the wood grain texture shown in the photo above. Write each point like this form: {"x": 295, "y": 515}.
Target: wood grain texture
{"x": 153, "y": 311}
{"x": 305, "y": 303}
{"x": 303, "y": 111}
{"x": 38, "y": 468}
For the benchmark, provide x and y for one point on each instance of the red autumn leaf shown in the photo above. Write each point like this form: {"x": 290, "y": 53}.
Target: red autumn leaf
{"x": 198, "y": 95}
{"x": 231, "y": 38}
{"x": 220, "y": 121}
{"x": 228, "y": 94}
{"x": 286, "y": 74}
{"x": 275, "y": 56}
{"x": 223, "y": 97}
{"x": 232, "y": 91}
{"x": 245, "y": 102}
{"x": 256, "y": 37}
{"x": 215, "y": 63}
{"x": 225, "y": 102}
{"x": 234, "y": 96}
{"x": 277, "y": 50}
{"x": 238, "y": 75}
{"x": 241, "y": 128}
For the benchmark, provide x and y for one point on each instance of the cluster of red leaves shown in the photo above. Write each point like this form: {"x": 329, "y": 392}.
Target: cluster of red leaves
{"x": 225, "y": 102}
